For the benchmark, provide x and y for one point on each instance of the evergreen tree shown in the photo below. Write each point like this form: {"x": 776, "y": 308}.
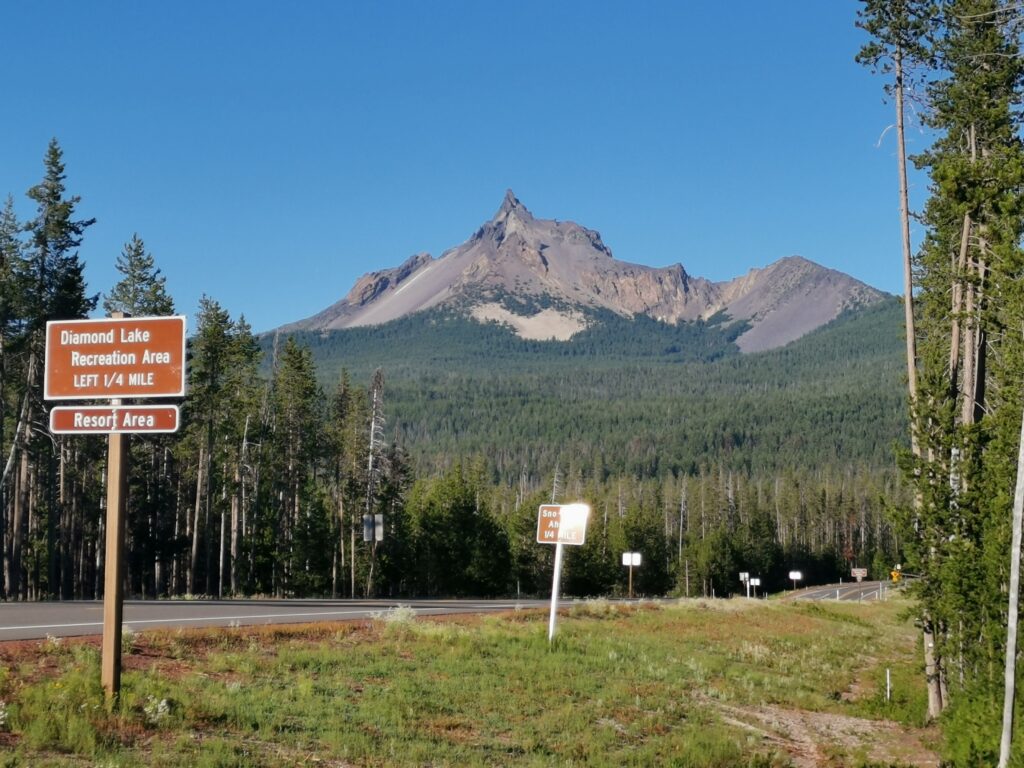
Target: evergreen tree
{"x": 303, "y": 509}
{"x": 969, "y": 268}
{"x": 10, "y": 300}
{"x": 141, "y": 290}
{"x": 395, "y": 553}
{"x": 50, "y": 286}
{"x": 222, "y": 400}
{"x": 460, "y": 548}
{"x": 56, "y": 281}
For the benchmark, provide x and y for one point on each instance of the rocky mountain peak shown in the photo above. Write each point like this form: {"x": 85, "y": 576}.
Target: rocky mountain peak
{"x": 511, "y": 206}
{"x": 511, "y": 218}
{"x": 574, "y": 272}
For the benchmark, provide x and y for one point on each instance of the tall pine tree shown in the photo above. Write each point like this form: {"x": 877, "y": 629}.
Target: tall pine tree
{"x": 971, "y": 318}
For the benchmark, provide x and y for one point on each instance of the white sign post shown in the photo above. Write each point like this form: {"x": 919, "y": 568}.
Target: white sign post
{"x": 630, "y": 559}
{"x": 560, "y": 524}
{"x": 795, "y": 576}
{"x": 745, "y": 578}
{"x": 755, "y": 583}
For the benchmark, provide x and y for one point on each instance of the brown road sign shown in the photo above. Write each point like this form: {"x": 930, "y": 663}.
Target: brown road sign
{"x": 115, "y": 358}
{"x": 108, "y": 419}
{"x": 562, "y": 523}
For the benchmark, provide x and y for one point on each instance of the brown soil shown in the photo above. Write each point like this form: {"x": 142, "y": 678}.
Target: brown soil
{"x": 814, "y": 739}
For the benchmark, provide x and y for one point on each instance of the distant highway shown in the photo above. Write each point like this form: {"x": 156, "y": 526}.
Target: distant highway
{"x": 30, "y": 621}
{"x": 33, "y": 621}
{"x": 857, "y": 592}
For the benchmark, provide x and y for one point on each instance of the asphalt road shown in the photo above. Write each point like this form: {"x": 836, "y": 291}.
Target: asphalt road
{"x": 33, "y": 621}
{"x": 30, "y": 621}
{"x": 862, "y": 592}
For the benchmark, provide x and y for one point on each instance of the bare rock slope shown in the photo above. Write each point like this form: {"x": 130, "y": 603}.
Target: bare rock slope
{"x": 571, "y": 270}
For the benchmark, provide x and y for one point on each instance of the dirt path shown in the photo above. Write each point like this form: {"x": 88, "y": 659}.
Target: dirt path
{"x": 814, "y": 739}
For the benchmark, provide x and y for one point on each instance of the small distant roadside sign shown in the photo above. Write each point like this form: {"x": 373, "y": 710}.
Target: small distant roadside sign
{"x": 109, "y": 419}
{"x": 562, "y": 524}
{"x": 859, "y": 573}
{"x": 112, "y": 358}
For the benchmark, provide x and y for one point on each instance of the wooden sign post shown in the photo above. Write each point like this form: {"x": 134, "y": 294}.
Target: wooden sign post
{"x": 113, "y": 358}
{"x": 113, "y": 577}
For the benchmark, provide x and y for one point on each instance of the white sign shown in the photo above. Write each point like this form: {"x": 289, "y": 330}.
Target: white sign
{"x": 755, "y": 582}
{"x": 796, "y": 575}
{"x": 631, "y": 558}
{"x": 744, "y": 576}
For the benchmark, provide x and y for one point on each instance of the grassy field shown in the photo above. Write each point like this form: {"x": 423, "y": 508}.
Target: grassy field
{"x": 694, "y": 683}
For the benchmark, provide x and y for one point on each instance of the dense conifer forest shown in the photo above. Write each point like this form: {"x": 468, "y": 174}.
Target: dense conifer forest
{"x": 707, "y": 461}
{"x": 634, "y": 397}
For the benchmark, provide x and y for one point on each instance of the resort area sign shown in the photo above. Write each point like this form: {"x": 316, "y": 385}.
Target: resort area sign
{"x": 106, "y": 419}
{"x": 111, "y": 358}
{"x": 116, "y": 359}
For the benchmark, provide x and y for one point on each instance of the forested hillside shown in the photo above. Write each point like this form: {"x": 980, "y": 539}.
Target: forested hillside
{"x": 632, "y": 396}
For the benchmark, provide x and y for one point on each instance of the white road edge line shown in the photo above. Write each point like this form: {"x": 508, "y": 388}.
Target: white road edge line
{"x": 130, "y": 622}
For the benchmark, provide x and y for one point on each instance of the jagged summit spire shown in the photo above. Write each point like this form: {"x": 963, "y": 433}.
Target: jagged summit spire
{"x": 511, "y": 206}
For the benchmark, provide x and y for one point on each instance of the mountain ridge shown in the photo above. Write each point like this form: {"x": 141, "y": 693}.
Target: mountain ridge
{"x": 573, "y": 272}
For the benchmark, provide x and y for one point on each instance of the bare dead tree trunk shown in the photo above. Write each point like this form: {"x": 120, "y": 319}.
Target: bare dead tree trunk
{"x": 222, "y": 547}
{"x": 236, "y": 503}
{"x": 682, "y": 517}
{"x": 1010, "y": 672}
{"x": 207, "y": 508}
{"x": 22, "y": 436}
{"x": 178, "y": 508}
{"x": 970, "y": 358}
{"x": 193, "y": 569}
{"x": 904, "y": 215}
{"x": 17, "y": 527}
{"x": 373, "y": 468}
{"x": 64, "y": 528}
{"x": 959, "y": 269}
{"x": 340, "y": 553}
{"x": 32, "y": 505}
{"x": 935, "y": 703}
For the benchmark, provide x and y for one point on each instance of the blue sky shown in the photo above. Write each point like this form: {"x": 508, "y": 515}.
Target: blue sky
{"x": 270, "y": 153}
